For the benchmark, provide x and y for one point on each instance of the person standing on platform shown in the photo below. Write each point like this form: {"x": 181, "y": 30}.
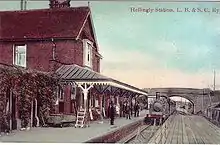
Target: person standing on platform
{"x": 124, "y": 109}
{"x": 128, "y": 111}
{"x": 136, "y": 109}
{"x": 121, "y": 109}
{"x": 112, "y": 113}
{"x": 131, "y": 109}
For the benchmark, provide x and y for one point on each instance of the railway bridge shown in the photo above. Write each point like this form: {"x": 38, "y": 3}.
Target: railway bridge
{"x": 200, "y": 98}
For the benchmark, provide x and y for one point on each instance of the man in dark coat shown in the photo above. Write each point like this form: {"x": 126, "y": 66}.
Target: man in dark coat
{"x": 121, "y": 109}
{"x": 136, "y": 109}
{"x": 128, "y": 111}
{"x": 124, "y": 109}
{"x": 112, "y": 113}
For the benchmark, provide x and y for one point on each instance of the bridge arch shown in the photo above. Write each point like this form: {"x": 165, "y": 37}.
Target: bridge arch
{"x": 198, "y": 97}
{"x": 192, "y": 101}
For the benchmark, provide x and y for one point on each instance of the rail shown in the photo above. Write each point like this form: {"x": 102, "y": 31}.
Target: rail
{"x": 132, "y": 136}
{"x": 142, "y": 134}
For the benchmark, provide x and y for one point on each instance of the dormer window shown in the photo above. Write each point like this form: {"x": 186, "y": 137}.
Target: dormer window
{"x": 19, "y": 55}
{"x": 87, "y": 54}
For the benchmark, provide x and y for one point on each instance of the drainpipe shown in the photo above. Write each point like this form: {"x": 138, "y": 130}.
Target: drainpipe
{"x": 53, "y": 53}
{"x": 53, "y": 49}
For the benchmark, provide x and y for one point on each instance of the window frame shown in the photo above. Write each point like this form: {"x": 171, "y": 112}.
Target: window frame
{"x": 15, "y": 62}
{"x": 87, "y": 53}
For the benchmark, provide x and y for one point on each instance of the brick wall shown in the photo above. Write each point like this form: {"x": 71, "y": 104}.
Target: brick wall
{"x": 6, "y": 51}
{"x": 39, "y": 54}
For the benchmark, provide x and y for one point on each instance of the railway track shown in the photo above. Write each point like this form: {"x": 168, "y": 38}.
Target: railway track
{"x": 146, "y": 135}
{"x": 142, "y": 135}
{"x": 177, "y": 129}
{"x": 163, "y": 133}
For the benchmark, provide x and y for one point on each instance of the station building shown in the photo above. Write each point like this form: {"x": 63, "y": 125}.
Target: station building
{"x": 62, "y": 40}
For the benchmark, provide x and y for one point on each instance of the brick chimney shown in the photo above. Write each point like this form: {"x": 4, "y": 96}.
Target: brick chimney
{"x": 59, "y": 4}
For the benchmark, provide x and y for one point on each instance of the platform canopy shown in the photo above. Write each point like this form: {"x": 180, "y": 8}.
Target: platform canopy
{"x": 82, "y": 75}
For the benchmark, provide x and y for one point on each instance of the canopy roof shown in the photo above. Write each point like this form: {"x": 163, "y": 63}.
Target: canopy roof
{"x": 82, "y": 75}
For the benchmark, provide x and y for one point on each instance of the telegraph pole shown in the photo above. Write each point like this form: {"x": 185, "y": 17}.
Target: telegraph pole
{"x": 202, "y": 99}
{"x": 214, "y": 82}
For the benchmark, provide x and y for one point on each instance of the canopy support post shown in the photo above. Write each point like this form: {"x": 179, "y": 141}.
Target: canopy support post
{"x": 85, "y": 90}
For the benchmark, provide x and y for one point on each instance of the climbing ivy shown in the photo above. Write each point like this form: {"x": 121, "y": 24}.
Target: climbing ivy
{"x": 27, "y": 86}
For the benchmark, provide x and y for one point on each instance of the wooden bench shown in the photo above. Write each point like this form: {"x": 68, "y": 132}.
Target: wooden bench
{"x": 61, "y": 119}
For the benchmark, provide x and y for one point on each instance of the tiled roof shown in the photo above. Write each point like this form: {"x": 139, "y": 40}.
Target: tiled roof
{"x": 44, "y": 23}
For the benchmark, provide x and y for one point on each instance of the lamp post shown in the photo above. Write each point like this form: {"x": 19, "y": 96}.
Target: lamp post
{"x": 203, "y": 99}
{"x": 214, "y": 82}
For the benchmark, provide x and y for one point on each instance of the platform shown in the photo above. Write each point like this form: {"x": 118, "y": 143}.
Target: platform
{"x": 180, "y": 129}
{"x": 69, "y": 134}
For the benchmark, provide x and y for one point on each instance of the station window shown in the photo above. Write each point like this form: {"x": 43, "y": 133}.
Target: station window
{"x": 87, "y": 53}
{"x": 20, "y": 53}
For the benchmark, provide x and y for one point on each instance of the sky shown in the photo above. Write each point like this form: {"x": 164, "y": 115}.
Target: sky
{"x": 159, "y": 49}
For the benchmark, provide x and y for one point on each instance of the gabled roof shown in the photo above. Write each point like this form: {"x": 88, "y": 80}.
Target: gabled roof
{"x": 81, "y": 75}
{"x": 44, "y": 23}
